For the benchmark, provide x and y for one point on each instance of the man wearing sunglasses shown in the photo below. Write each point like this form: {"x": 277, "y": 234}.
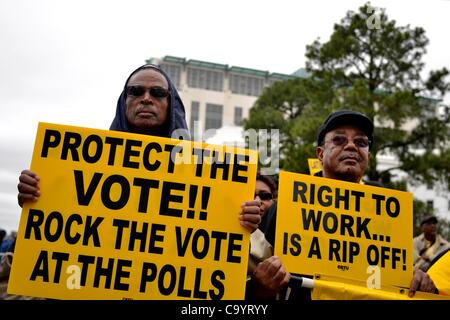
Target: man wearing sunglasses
{"x": 148, "y": 104}
{"x": 343, "y": 143}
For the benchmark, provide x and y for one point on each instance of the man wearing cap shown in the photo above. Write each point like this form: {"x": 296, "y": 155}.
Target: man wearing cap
{"x": 343, "y": 143}
{"x": 429, "y": 244}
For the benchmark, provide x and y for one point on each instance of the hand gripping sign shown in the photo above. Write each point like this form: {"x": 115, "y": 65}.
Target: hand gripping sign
{"x": 127, "y": 216}
{"x": 344, "y": 229}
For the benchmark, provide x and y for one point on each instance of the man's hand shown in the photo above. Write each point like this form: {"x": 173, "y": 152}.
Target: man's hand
{"x": 421, "y": 282}
{"x": 250, "y": 215}
{"x": 28, "y": 187}
{"x": 269, "y": 278}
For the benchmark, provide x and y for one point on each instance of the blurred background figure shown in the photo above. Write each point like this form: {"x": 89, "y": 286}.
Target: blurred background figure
{"x": 260, "y": 248}
{"x": 429, "y": 245}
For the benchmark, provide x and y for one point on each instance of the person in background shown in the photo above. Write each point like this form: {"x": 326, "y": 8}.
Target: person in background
{"x": 260, "y": 248}
{"x": 2, "y": 235}
{"x": 429, "y": 244}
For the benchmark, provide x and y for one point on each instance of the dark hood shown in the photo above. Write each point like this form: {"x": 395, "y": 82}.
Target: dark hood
{"x": 176, "y": 108}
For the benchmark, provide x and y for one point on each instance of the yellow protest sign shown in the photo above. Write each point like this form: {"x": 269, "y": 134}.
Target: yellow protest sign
{"x": 314, "y": 166}
{"x": 344, "y": 229}
{"x": 127, "y": 216}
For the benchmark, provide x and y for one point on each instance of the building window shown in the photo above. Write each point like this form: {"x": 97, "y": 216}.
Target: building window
{"x": 174, "y": 73}
{"x": 237, "y": 116}
{"x": 195, "y": 115}
{"x": 245, "y": 85}
{"x": 205, "y": 79}
{"x": 213, "y": 117}
{"x": 430, "y": 206}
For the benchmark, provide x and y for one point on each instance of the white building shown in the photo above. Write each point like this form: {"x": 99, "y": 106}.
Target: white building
{"x": 216, "y": 95}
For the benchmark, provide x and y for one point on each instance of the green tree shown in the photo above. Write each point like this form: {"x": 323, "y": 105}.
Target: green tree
{"x": 375, "y": 68}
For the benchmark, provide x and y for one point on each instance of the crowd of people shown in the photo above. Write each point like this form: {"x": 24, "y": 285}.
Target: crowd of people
{"x": 149, "y": 104}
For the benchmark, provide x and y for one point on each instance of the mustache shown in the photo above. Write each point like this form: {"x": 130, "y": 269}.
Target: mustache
{"x": 350, "y": 155}
{"x": 146, "y": 108}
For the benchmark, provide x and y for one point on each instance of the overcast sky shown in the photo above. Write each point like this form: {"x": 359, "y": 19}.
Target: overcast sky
{"x": 66, "y": 61}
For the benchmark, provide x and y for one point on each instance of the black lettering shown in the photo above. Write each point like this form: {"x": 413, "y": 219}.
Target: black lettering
{"x": 154, "y": 237}
{"x": 146, "y": 157}
{"x": 41, "y": 267}
{"x": 70, "y": 220}
{"x": 129, "y": 152}
{"x": 296, "y": 248}
{"x": 314, "y": 249}
{"x": 113, "y": 142}
{"x": 167, "y": 197}
{"x": 232, "y": 246}
{"x": 299, "y": 191}
{"x": 342, "y": 197}
{"x": 103, "y": 272}
{"x": 84, "y": 198}
{"x": 372, "y": 255}
{"x": 216, "y": 276}
{"x": 52, "y": 138}
{"x": 311, "y": 218}
{"x": 396, "y": 211}
{"x": 346, "y": 224}
{"x": 239, "y": 167}
{"x": 167, "y": 269}
{"x": 53, "y": 216}
{"x": 173, "y": 150}
{"x": 335, "y": 245}
{"x": 93, "y": 138}
{"x": 199, "y": 156}
{"x": 362, "y": 227}
{"x": 146, "y": 185}
{"x": 198, "y": 293}
{"x": 91, "y": 231}
{"x": 72, "y": 141}
{"x": 120, "y": 224}
{"x": 124, "y": 192}
{"x": 324, "y": 200}
{"x": 138, "y": 235}
{"x": 224, "y": 166}
{"x": 200, "y": 253}
{"x": 330, "y": 216}
{"x": 182, "y": 244}
{"x": 219, "y": 236}
{"x": 358, "y": 195}
{"x": 59, "y": 257}
{"x": 182, "y": 292}
{"x": 120, "y": 273}
{"x": 35, "y": 219}
{"x": 146, "y": 276}
{"x": 378, "y": 198}
{"x": 85, "y": 261}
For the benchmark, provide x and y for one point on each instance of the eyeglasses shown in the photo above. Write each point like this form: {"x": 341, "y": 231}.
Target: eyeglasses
{"x": 264, "y": 195}
{"x": 340, "y": 141}
{"x": 155, "y": 92}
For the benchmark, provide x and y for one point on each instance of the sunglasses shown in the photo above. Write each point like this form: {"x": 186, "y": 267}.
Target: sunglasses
{"x": 340, "y": 141}
{"x": 264, "y": 195}
{"x": 155, "y": 92}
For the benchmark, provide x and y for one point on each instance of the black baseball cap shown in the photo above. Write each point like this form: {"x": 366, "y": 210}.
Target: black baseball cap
{"x": 430, "y": 218}
{"x": 346, "y": 117}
